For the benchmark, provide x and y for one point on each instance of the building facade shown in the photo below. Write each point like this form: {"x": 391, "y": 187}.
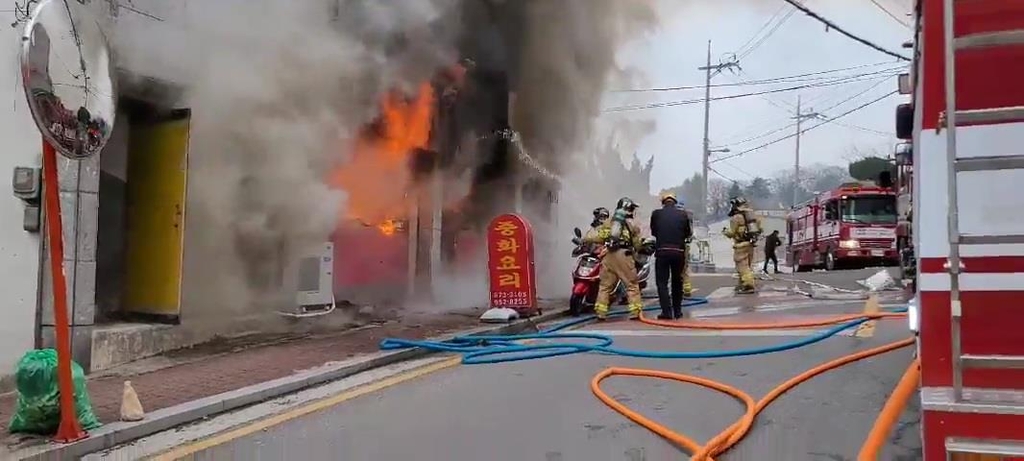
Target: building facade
{"x": 131, "y": 237}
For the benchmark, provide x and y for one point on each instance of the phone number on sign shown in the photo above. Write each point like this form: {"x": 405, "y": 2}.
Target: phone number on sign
{"x": 508, "y": 294}
{"x": 509, "y": 298}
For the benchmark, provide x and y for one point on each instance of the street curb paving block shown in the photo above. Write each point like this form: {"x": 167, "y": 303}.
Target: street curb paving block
{"x": 119, "y": 433}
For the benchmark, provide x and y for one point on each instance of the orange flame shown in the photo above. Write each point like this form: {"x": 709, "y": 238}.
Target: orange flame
{"x": 388, "y": 227}
{"x": 376, "y": 178}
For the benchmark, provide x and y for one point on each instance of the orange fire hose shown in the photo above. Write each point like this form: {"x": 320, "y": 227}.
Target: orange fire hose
{"x": 734, "y": 433}
{"x": 891, "y": 412}
{"x": 787, "y": 325}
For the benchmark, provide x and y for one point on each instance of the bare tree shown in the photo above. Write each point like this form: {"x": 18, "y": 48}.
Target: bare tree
{"x": 718, "y": 197}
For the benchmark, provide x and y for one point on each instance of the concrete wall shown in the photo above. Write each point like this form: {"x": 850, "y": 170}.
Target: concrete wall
{"x": 19, "y": 250}
{"x": 26, "y": 322}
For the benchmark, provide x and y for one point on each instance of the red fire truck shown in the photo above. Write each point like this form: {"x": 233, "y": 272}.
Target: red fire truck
{"x": 904, "y": 210}
{"x": 853, "y": 224}
{"x": 967, "y": 126}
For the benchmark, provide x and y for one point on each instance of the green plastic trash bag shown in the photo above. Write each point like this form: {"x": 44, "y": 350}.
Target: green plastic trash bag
{"x": 38, "y": 408}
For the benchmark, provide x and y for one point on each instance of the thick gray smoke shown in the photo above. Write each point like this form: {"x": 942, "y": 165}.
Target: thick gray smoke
{"x": 567, "y": 59}
{"x": 275, "y": 87}
{"x": 567, "y": 62}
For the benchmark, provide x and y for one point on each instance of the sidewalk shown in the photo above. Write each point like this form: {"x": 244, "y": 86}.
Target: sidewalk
{"x": 199, "y": 376}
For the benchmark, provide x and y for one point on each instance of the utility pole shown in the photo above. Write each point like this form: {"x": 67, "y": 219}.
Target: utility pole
{"x": 707, "y": 124}
{"x": 800, "y": 116}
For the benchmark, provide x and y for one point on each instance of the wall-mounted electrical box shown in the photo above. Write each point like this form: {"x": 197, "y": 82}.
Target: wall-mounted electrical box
{"x": 25, "y": 183}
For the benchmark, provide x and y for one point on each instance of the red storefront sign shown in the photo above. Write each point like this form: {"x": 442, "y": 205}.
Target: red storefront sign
{"x": 510, "y": 263}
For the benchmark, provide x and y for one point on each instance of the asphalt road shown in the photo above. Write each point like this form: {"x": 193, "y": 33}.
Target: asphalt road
{"x": 544, "y": 410}
{"x": 707, "y": 283}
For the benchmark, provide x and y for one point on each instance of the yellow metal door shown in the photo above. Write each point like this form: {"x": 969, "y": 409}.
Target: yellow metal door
{"x": 157, "y": 173}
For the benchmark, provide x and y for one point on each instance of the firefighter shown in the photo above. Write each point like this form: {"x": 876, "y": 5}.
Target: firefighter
{"x": 744, "y": 230}
{"x": 621, "y": 238}
{"x": 601, "y": 214}
{"x": 672, "y": 228}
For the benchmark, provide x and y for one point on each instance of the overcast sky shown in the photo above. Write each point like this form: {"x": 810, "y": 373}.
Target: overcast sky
{"x": 798, "y": 45}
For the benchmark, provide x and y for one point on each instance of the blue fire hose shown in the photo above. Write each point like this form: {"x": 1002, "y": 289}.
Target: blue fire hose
{"x": 481, "y": 349}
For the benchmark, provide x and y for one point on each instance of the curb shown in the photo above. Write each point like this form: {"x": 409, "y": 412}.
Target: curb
{"x": 119, "y": 433}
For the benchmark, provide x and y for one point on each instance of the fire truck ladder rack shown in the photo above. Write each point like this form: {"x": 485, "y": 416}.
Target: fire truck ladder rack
{"x": 979, "y": 447}
{"x": 956, "y": 399}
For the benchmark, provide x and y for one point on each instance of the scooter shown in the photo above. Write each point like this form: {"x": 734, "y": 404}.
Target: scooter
{"x": 585, "y": 277}
{"x": 587, "y": 274}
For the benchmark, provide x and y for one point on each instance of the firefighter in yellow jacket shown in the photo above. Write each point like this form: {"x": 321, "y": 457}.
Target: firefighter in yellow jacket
{"x": 744, "y": 230}
{"x": 621, "y": 239}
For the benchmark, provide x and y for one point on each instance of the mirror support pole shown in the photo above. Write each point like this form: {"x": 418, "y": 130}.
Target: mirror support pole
{"x": 70, "y": 430}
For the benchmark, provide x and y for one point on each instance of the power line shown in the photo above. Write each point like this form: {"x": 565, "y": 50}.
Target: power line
{"x": 890, "y": 13}
{"x": 762, "y": 135}
{"x": 763, "y": 27}
{"x": 833, "y": 25}
{"x": 741, "y": 170}
{"x": 862, "y": 92}
{"x": 790, "y": 111}
{"x": 658, "y": 105}
{"x": 866, "y": 129}
{"x": 768, "y": 35}
{"x": 827, "y": 121}
{"x": 722, "y": 175}
{"x": 766, "y": 81}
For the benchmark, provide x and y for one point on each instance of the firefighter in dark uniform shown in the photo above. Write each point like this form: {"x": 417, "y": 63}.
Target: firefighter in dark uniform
{"x": 672, "y": 229}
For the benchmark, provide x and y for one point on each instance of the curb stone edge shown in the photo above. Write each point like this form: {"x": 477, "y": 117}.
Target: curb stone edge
{"x": 119, "y": 433}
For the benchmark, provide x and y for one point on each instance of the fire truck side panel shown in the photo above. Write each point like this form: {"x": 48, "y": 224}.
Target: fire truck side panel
{"x": 990, "y": 203}
{"x": 984, "y": 311}
{"x": 940, "y": 425}
{"x": 803, "y": 224}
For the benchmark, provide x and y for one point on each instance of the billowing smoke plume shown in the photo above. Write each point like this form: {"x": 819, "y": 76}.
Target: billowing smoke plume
{"x": 277, "y": 88}
{"x": 567, "y": 59}
{"x": 567, "y": 62}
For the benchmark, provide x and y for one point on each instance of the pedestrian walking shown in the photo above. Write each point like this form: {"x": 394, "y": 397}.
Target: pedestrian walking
{"x": 771, "y": 243}
{"x": 672, "y": 228}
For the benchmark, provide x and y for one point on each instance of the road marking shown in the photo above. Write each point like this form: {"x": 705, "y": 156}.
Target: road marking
{"x": 773, "y": 307}
{"x": 867, "y": 329}
{"x": 205, "y": 444}
{"x": 723, "y": 292}
{"x": 717, "y": 333}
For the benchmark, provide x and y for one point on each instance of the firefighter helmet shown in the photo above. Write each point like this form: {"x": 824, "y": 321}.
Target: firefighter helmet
{"x": 626, "y": 203}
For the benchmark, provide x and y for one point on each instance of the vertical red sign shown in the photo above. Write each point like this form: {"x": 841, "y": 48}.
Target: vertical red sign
{"x": 510, "y": 262}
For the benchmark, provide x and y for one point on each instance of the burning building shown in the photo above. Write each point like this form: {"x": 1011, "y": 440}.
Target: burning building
{"x": 436, "y": 165}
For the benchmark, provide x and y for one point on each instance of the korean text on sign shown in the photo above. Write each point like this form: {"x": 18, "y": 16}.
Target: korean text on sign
{"x": 509, "y": 267}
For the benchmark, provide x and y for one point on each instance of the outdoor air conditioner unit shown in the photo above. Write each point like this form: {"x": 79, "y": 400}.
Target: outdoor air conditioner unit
{"x": 314, "y": 274}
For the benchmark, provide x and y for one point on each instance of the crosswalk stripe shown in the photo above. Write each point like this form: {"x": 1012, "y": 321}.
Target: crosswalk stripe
{"x": 723, "y": 292}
